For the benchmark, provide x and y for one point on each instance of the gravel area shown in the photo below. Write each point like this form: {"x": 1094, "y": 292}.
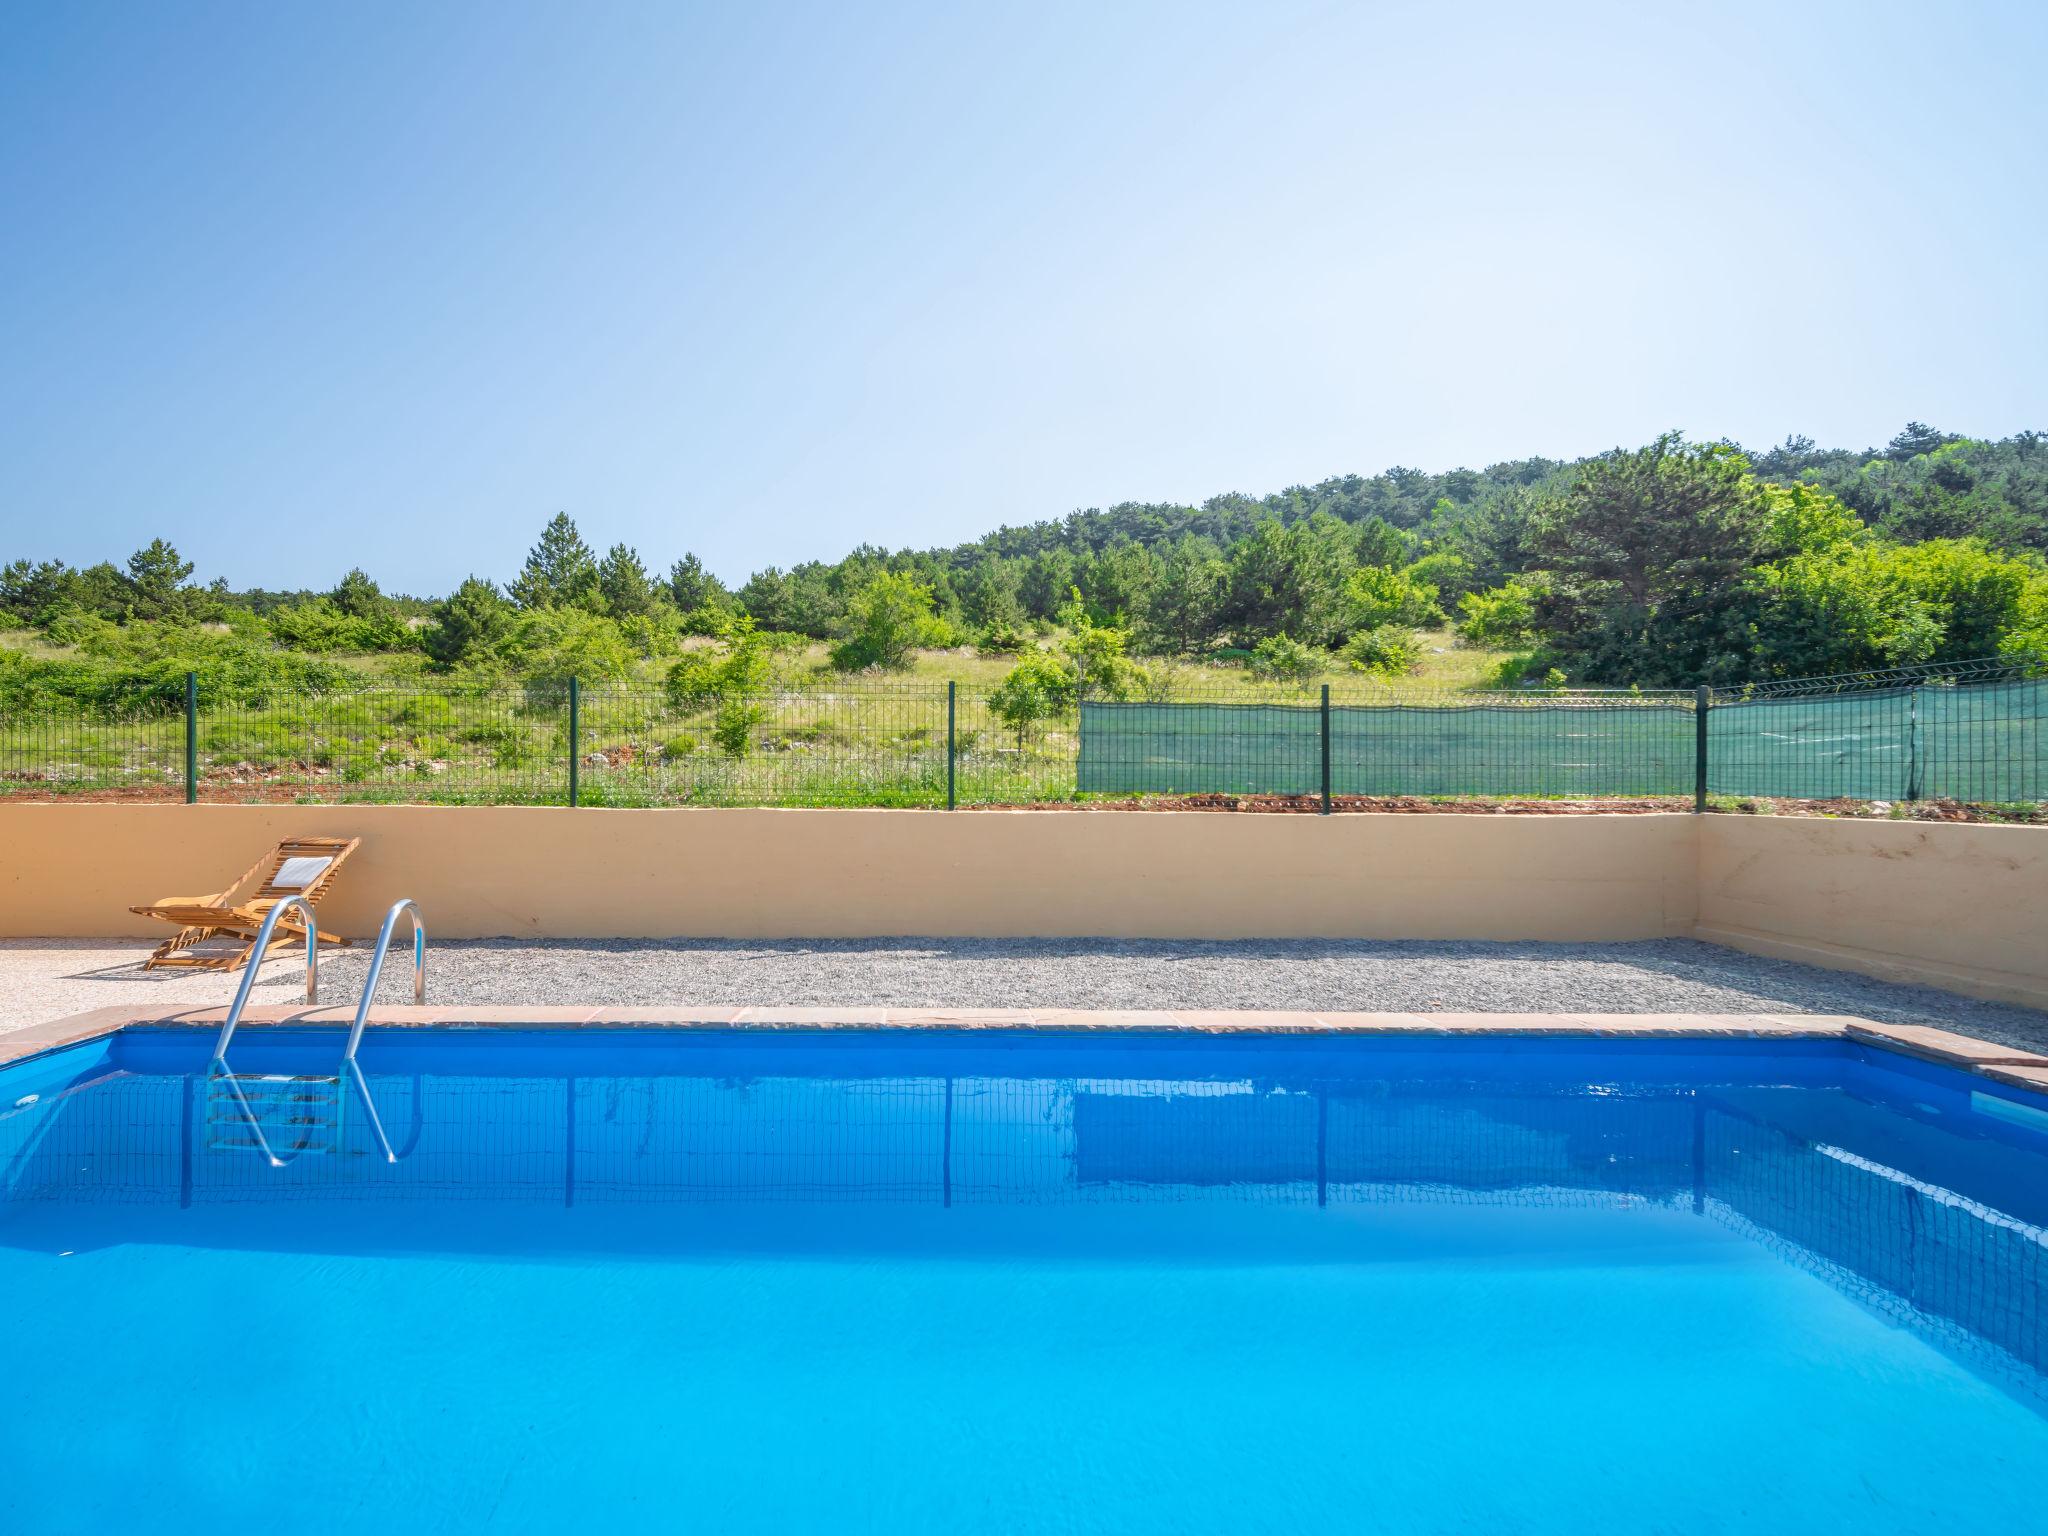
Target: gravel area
{"x": 47, "y": 978}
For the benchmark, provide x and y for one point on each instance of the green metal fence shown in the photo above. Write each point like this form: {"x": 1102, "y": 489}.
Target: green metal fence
{"x": 1976, "y": 732}
{"x": 909, "y": 743}
{"x": 1445, "y": 746}
{"x": 1975, "y": 741}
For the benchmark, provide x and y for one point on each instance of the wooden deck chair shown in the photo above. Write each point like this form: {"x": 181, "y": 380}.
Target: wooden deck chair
{"x": 218, "y": 932}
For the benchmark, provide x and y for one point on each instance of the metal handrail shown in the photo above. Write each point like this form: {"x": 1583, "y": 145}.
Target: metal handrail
{"x": 227, "y": 1030}
{"x": 255, "y": 963}
{"x": 419, "y": 995}
{"x": 350, "y": 1067}
{"x": 419, "y": 968}
{"x": 370, "y": 1104}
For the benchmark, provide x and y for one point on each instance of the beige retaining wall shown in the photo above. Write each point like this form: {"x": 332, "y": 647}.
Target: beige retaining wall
{"x": 540, "y": 871}
{"x": 1953, "y": 906}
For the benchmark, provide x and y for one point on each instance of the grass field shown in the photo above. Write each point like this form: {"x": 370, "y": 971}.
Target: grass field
{"x": 1447, "y": 663}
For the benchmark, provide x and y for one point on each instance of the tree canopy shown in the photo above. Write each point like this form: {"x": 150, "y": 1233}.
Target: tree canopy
{"x": 1673, "y": 563}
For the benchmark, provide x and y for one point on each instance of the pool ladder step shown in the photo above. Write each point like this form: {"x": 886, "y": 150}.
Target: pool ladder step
{"x": 279, "y": 1113}
{"x": 267, "y": 1112}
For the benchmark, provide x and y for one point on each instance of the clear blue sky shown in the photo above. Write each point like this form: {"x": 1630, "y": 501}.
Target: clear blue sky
{"x": 307, "y": 286}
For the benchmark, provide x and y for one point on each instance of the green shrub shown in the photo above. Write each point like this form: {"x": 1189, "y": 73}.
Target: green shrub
{"x": 421, "y": 710}
{"x": 654, "y": 633}
{"x": 74, "y": 626}
{"x": 1003, "y": 640}
{"x": 515, "y": 750}
{"x": 1513, "y": 671}
{"x": 1037, "y": 688}
{"x": 1102, "y": 666}
{"x": 734, "y": 730}
{"x": 1386, "y": 651}
{"x": 692, "y": 682}
{"x": 1377, "y": 597}
{"x": 320, "y": 626}
{"x": 1449, "y": 572}
{"x": 140, "y": 669}
{"x": 887, "y": 619}
{"x": 1504, "y": 616}
{"x": 471, "y": 626}
{"x": 552, "y": 645}
{"x": 1287, "y": 660}
{"x": 701, "y": 677}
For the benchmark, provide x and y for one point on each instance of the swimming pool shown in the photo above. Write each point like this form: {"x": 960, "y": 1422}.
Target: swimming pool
{"x": 842, "y": 1280}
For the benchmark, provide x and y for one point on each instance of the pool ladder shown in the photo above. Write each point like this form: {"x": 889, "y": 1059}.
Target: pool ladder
{"x": 279, "y": 1113}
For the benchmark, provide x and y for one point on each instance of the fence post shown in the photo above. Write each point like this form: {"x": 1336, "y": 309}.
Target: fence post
{"x": 191, "y": 738}
{"x": 1702, "y": 701}
{"x": 1326, "y": 749}
{"x": 952, "y": 803}
{"x": 1913, "y": 742}
{"x": 575, "y": 734}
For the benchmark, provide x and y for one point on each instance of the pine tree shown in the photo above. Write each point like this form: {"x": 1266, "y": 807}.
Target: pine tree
{"x": 1182, "y": 609}
{"x": 1048, "y": 577}
{"x": 156, "y": 577}
{"x": 1649, "y": 555}
{"x": 1918, "y": 438}
{"x": 469, "y": 625}
{"x": 1290, "y": 580}
{"x": 691, "y": 587}
{"x": 988, "y": 595}
{"x": 622, "y": 584}
{"x": 358, "y": 596}
{"x": 560, "y": 571}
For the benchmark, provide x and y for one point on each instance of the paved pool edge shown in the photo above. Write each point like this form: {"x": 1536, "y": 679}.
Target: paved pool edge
{"x": 2000, "y": 1063}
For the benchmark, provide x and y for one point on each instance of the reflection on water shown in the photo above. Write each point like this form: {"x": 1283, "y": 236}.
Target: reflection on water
{"x": 1895, "y": 1185}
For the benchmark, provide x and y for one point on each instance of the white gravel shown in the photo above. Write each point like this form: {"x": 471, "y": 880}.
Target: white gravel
{"x": 45, "y": 979}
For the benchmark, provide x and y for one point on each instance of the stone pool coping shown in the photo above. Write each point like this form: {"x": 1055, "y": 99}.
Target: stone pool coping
{"x": 2006, "y": 1064}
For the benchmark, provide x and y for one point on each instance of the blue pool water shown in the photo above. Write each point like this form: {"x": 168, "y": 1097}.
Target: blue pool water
{"x": 741, "y": 1282}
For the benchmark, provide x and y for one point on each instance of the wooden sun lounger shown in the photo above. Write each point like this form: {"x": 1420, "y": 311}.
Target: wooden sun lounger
{"x": 218, "y": 932}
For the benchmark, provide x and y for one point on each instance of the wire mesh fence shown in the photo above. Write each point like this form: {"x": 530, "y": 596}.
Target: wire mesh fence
{"x": 1977, "y": 733}
{"x": 384, "y": 745}
{"x": 1433, "y": 745}
{"x": 121, "y": 750}
{"x": 835, "y": 745}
